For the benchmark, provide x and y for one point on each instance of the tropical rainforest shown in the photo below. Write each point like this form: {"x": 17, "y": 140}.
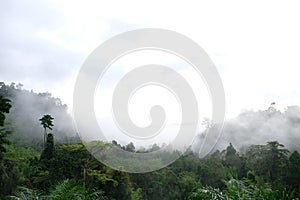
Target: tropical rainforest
{"x": 42, "y": 157}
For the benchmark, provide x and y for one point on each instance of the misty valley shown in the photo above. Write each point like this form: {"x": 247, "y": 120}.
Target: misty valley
{"x": 42, "y": 157}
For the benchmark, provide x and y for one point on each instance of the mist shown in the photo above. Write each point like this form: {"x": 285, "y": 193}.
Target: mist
{"x": 258, "y": 127}
{"x": 28, "y": 107}
{"x": 248, "y": 128}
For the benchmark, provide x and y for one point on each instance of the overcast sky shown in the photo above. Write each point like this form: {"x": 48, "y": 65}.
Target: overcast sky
{"x": 255, "y": 44}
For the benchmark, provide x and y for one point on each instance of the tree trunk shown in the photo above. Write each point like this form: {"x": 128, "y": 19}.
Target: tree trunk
{"x": 84, "y": 174}
{"x": 45, "y": 137}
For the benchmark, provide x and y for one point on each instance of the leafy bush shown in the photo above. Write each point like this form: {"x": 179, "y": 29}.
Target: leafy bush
{"x": 242, "y": 189}
{"x": 67, "y": 189}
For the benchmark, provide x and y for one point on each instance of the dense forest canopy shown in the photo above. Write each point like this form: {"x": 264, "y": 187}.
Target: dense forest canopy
{"x": 256, "y": 158}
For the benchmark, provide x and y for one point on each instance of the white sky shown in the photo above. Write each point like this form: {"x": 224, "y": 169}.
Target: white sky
{"x": 142, "y": 101}
{"x": 254, "y": 44}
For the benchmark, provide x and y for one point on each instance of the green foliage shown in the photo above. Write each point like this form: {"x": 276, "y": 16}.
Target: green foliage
{"x": 3, "y": 142}
{"x": 212, "y": 170}
{"x": 4, "y": 108}
{"x": 27, "y": 108}
{"x": 24, "y": 193}
{"x": 207, "y": 192}
{"x": 269, "y": 161}
{"x": 130, "y": 147}
{"x": 293, "y": 177}
{"x": 67, "y": 189}
{"x": 69, "y": 171}
{"x": 72, "y": 190}
{"x": 15, "y": 168}
{"x": 232, "y": 159}
{"x": 47, "y": 121}
{"x": 49, "y": 148}
{"x": 241, "y": 189}
{"x": 187, "y": 178}
{"x": 172, "y": 182}
{"x": 136, "y": 194}
{"x": 246, "y": 189}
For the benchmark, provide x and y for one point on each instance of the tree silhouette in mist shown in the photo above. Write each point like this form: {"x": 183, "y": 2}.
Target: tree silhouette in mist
{"x": 46, "y": 122}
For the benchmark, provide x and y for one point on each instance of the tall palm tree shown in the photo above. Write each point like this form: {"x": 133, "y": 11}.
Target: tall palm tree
{"x": 46, "y": 122}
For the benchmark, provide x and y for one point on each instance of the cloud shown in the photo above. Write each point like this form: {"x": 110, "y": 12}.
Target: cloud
{"x": 251, "y": 128}
{"x": 25, "y": 53}
{"x": 254, "y": 44}
{"x": 41, "y": 48}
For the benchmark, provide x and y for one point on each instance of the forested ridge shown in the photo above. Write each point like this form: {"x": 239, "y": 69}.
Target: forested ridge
{"x": 62, "y": 168}
{"x": 27, "y": 108}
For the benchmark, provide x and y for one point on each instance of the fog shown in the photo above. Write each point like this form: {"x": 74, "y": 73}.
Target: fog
{"x": 28, "y": 107}
{"x": 258, "y": 127}
{"x": 248, "y": 128}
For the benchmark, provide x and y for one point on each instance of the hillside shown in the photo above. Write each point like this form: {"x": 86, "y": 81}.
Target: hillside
{"x": 27, "y": 108}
